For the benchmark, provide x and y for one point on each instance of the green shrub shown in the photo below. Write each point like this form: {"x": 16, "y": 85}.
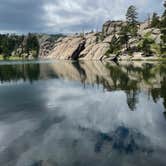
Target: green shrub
{"x": 156, "y": 49}
{"x": 145, "y": 46}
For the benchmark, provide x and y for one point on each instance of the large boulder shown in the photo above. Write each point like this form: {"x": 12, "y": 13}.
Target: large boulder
{"x": 91, "y": 38}
{"x": 112, "y": 27}
{"x": 150, "y": 31}
{"x": 153, "y": 33}
{"x": 156, "y": 35}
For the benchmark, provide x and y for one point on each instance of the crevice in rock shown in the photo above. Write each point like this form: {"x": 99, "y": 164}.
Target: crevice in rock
{"x": 76, "y": 53}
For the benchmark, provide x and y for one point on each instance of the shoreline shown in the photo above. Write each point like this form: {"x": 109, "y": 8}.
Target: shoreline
{"x": 132, "y": 59}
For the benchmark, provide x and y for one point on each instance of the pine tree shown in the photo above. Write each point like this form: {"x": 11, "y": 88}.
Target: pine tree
{"x": 155, "y": 21}
{"x": 146, "y": 46}
{"x": 124, "y": 36}
{"x": 163, "y": 31}
{"x": 114, "y": 45}
{"x": 131, "y": 18}
{"x": 164, "y": 14}
{"x": 131, "y": 15}
{"x": 32, "y": 44}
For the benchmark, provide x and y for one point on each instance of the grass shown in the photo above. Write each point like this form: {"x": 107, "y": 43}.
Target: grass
{"x": 12, "y": 58}
{"x": 1, "y": 57}
{"x": 156, "y": 48}
{"x": 15, "y": 58}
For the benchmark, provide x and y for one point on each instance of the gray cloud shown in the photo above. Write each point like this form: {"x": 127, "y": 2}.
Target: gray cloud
{"x": 21, "y": 15}
{"x": 54, "y": 16}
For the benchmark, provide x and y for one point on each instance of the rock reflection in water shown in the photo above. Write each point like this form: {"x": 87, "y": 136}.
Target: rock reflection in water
{"x": 83, "y": 113}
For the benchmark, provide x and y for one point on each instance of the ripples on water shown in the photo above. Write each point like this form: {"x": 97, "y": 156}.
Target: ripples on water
{"x": 82, "y": 114}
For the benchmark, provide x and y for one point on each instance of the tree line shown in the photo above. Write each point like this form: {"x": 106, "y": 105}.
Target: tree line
{"x": 18, "y": 45}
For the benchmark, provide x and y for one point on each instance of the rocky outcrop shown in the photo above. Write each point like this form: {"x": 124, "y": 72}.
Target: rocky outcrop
{"x": 144, "y": 25}
{"x": 68, "y": 48}
{"x": 95, "y": 51}
{"x": 153, "y": 33}
{"x": 87, "y": 47}
{"x": 112, "y": 27}
{"x": 46, "y": 44}
{"x": 96, "y": 46}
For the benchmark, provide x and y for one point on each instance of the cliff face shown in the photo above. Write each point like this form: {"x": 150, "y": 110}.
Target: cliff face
{"x": 68, "y": 48}
{"x": 89, "y": 47}
{"x": 95, "y": 46}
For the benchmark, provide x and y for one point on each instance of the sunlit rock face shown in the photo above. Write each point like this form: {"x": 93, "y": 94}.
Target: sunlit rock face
{"x": 69, "y": 48}
{"x": 95, "y": 52}
{"x": 82, "y": 113}
{"x": 88, "y": 47}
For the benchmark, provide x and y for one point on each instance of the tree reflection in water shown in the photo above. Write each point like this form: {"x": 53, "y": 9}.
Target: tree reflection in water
{"x": 86, "y": 117}
{"x": 128, "y": 77}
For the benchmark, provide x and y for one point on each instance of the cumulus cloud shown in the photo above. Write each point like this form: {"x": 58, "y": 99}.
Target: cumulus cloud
{"x": 55, "y": 16}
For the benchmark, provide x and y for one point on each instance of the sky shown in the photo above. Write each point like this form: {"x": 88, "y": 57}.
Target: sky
{"x": 67, "y": 16}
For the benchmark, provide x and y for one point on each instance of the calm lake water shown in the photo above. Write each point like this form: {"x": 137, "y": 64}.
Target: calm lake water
{"x": 65, "y": 113}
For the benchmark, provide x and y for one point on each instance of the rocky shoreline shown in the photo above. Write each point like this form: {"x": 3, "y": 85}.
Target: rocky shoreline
{"x": 95, "y": 46}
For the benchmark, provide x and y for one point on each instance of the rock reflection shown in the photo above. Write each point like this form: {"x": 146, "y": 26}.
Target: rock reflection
{"x": 78, "y": 113}
{"x": 131, "y": 77}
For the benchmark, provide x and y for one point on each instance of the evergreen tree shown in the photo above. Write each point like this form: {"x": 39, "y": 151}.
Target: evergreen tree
{"x": 32, "y": 44}
{"x": 114, "y": 45}
{"x": 163, "y": 31}
{"x": 131, "y": 15}
{"x": 146, "y": 46}
{"x": 124, "y": 36}
{"x": 131, "y": 18}
{"x": 8, "y": 43}
{"x": 164, "y": 14}
{"x": 155, "y": 20}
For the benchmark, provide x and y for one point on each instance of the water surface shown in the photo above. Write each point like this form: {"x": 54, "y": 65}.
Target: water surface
{"x": 66, "y": 113}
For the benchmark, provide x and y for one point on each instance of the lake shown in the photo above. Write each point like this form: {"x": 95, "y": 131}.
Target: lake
{"x": 66, "y": 113}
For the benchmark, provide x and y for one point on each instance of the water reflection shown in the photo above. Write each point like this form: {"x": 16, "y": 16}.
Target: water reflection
{"x": 83, "y": 113}
{"x": 23, "y": 72}
{"x": 132, "y": 77}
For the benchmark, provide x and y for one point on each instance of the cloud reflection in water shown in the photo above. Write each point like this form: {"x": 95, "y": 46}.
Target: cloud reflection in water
{"x": 65, "y": 123}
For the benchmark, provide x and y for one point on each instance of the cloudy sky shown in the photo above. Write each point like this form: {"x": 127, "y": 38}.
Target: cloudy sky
{"x": 66, "y": 16}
